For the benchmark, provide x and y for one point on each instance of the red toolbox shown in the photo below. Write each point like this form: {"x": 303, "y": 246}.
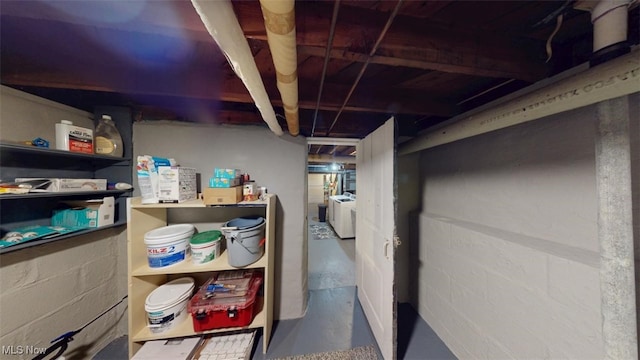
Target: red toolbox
{"x": 227, "y": 299}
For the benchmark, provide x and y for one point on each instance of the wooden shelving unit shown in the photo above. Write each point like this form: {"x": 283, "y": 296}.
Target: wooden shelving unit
{"x": 142, "y": 279}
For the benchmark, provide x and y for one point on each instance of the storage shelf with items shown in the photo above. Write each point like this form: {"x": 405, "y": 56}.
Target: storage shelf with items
{"x": 144, "y": 279}
{"x": 35, "y": 207}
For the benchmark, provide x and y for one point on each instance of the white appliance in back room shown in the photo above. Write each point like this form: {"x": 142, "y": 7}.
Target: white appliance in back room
{"x": 340, "y": 214}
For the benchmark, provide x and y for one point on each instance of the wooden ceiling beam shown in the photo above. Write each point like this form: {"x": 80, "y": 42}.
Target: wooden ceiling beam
{"x": 219, "y": 88}
{"x": 410, "y": 42}
{"x": 403, "y": 58}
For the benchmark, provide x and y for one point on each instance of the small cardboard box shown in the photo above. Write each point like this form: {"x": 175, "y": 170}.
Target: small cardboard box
{"x": 86, "y": 213}
{"x": 168, "y": 349}
{"x": 222, "y": 196}
{"x": 176, "y": 184}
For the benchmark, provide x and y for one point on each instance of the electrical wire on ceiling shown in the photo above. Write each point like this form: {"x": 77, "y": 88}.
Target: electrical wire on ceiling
{"x": 327, "y": 56}
{"x": 366, "y": 63}
{"x": 558, "y": 16}
{"x": 555, "y": 31}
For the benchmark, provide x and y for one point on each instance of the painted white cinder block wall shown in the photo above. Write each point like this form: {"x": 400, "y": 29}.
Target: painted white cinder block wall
{"x": 507, "y": 258}
{"x": 279, "y": 163}
{"x": 48, "y": 290}
{"x": 316, "y": 189}
{"x": 634, "y": 109}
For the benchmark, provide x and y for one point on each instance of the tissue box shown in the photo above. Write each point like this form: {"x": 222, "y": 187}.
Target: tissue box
{"x": 218, "y": 182}
{"x": 176, "y": 184}
{"x": 86, "y": 213}
{"x": 222, "y": 196}
{"x": 226, "y": 173}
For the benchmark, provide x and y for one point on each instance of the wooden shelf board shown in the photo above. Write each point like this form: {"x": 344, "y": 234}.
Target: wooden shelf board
{"x": 186, "y": 266}
{"x": 185, "y": 328}
{"x": 136, "y": 203}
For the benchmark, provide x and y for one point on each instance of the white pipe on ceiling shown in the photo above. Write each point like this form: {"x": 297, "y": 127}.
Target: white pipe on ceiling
{"x": 615, "y": 78}
{"x": 332, "y": 141}
{"x": 222, "y": 24}
{"x": 609, "y": 19}
{"x": 280, "y": 22}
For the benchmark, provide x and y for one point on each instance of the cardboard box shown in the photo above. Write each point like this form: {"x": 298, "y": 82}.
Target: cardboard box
{"x": 86, "y": 213}
{"x": 226, "y": 173}
{"x": 70, "y": 185}
{"x": 169, "y": 349}
{"x": 217, "y": 182}
{"x": 222, "y": 196}
{"x": 176, "y": 184}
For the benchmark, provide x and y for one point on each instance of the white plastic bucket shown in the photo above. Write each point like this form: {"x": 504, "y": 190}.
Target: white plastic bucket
{"x": 205, "y": 247}
{"x": 168, "y": 245}
{"x": 166, "y": 306}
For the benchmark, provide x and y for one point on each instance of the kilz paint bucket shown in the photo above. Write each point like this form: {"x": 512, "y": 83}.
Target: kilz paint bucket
{"x": 205, "y": 247}
{"x": 168, "y": 245}
{"x": 166, "y": 306}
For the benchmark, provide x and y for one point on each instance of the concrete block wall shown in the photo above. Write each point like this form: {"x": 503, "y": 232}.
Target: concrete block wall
{"x": 279, "y": 163}
{"x": 316, "y": 189}
{"x": 51, "y": 289}
{"x": 634, "y": 109}
{"x": 507, "y": 257}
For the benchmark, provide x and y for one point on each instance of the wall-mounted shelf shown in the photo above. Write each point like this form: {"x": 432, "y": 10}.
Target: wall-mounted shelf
{"x": 63, "y": 195}
{"x": 57, "y": 238}
{"x": 17, "y": 154}
{"x": 23, "y": 161}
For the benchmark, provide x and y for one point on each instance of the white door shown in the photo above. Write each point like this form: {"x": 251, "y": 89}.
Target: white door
{"x": 375, "y": 234}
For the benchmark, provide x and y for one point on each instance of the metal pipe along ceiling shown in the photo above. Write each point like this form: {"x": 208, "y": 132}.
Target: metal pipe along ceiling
{"x": 366, "y": 64}
{"x": 280, "y": 22}
{"x": 222, "y": 24}
{"x": 327, "y": 56}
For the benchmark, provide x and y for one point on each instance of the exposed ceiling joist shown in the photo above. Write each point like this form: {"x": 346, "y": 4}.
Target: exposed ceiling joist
{"x": 409, "y": 42}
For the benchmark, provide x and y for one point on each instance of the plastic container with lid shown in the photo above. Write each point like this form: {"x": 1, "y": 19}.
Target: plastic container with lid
{"x": 166, "y": 305}
{"x": 74, "y": 138}
{"x": 205, "y": 247}
{"x": 107, "y": 138}
{"x": 168, "y": 245}
{"x": 227, "y": 299}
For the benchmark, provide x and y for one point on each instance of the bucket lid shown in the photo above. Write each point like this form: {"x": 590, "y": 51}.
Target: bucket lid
{"x": 244, "y": 223}
{"x": 170, "y": 294}
{"x": 206, "y": 237}
{"x": 168, "y": 232}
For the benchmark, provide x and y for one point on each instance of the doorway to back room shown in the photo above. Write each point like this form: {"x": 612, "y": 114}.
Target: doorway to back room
{"x": 331, "y": 243}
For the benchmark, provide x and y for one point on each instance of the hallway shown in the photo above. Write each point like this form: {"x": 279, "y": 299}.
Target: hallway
{"x": 331, "y": 260}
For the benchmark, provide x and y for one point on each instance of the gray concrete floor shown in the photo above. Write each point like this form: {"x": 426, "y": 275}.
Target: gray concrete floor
{"x": 332, "y": 261}
{"x": 334, "y": 319}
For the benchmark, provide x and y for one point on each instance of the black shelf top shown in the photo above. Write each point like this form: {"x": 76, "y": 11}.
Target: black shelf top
{"x": 8, "y": 149}
{"x": 62, "y": 194}
{"x": 56, "y": 238}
